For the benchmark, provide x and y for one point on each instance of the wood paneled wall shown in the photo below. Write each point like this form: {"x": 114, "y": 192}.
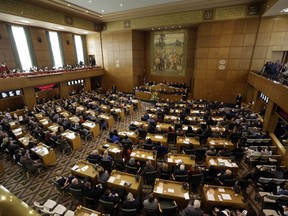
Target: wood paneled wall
{"x": 272, "y": 36}
{"x": 6, "y": 53}
{"x": 118, "y": 60}
{"x": 12, "y": 103}
{"x": 233, "y": 43}
{"x": 41, "y": 47}
{"x": 138, "y": 56}
{"x": 69, "y": 50}
{"x": 94, "y": 47}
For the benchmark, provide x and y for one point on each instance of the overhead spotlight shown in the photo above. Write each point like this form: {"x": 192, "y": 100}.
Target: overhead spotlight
{"x": 165, "y": 27}
{"x": 180, "y": 26}
{"x": 102, "y": 11}
{"x": 153, "y": 29}
{"x": 159, "y": 28}
{"x": 90, "y": 1}
{"x": 121, "y": 5}
{"x": 69, "y": 5}
{"x": 87, "y": 11}
{"x": 172, "y": 26}
{"x": 284, "y": 10}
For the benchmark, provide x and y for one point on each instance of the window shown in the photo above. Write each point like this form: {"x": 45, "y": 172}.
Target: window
{"x": 22, "y": 47}
{"x": 79, "y": 48}
{"x": 55, "y": 46}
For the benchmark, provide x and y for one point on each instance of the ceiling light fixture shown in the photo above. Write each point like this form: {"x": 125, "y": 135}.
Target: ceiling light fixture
{"x": 102, "y": 11}
{"x": 90, "y": 1}
{"x": 153, "y": 29}
{"x": 87, "y": 11}
{"x": 172, "y": 26}
{"x": 121, "y": 5}
{"x": 284, "y": 10}
{"x": 69, "y": 5}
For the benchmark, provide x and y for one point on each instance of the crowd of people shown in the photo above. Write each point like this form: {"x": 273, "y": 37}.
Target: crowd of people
{"x": 276, "y": 71}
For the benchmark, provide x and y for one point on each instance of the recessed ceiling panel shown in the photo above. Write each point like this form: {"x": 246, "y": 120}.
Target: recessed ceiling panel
{"x": 112, "y": 6}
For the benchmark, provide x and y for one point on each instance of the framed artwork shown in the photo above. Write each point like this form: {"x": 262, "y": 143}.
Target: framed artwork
{"x": 168, "y": 56}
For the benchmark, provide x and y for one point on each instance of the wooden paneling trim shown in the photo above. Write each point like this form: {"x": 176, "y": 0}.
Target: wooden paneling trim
{"x": 276, "y": 92}
{"x": 25, "y": 82}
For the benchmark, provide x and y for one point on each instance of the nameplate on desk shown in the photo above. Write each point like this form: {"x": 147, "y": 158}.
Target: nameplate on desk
{"x": 75, "y": 167}
{"x": 170, "y": 190}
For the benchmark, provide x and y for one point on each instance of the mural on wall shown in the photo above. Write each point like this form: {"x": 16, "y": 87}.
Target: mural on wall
{"x": 168, "y": 56}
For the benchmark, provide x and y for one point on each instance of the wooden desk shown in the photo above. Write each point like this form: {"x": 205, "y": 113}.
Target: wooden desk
{"x": 112, "y": 149}
{"x": 92, "y": 112}
{"x": 46, "y": 154}
{"x": 136, "y": 103}
{"x": 144, "y": 155}
{"x": 85, "y": 169}
{"x": 219, "y": 129}
{"x": 82, "y": 211}
{"x": 164, "y": 126}
{"x": 65, "y": 114}
{"x": 105, "y": 108}
{"x": 221, "y": 196}
{"x": 175, "y": 111}
{"x": 73, "y": 139}
{"x": 130, "y": 108}
{"x": 171, "y": 118}
{"x": 18, "y": 132}
{"x": 173, "y": 159}
{"x": 120, "y": 112}
{"x": 25, "y": 140}
{"x": 162, "y": 104}
{"x": 46, "y": 122}
{"x": 40, "y": 116}
{"x": 186, "y": 142}
{"x": 118, "y": 179}
{"x": 221, "y": 163}
{"x": 220, "y": 143}
{"x": 109, "y": 119}
{"x": 14, "y": 124}
{"x": 139, "y": 123}
{"x": 171, "y": 97}
{"x": 53, "y": 128}
{"x": 93, "y": 127}
{"x": 171, "y": 190}
{"x": 131, "y": 134}
{"x": 217, "y": 118}
{"x": 194, "y": 119}
{"x": 143, "y": 95}
{"x": 157, "y": 138}
{"x": 194, "y": 127}
{"x": 196, "y": 112}
{"x": 74, "y": 119}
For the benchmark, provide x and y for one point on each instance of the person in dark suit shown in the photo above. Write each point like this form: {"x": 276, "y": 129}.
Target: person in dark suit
{"x": 113, "y": 196}
{"x": 132, "y": 203}
{"x": 76, "y": 184}
{"x": 238, "y": 100}
{"x": 92, "y": 192}
{"x": 180, "y": 171}
{"x": 94, "y": 156}
{"x": 193, "y": 208}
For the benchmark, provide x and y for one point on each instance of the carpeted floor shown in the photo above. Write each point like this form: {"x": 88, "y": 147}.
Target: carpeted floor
{"x": 39, "y": 187}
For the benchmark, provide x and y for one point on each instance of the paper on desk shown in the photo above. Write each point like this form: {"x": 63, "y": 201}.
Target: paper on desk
{"x": 221, "y": 189}
{"x": 93, "y": 214}
{"x": 75, "y": 167}
{"x": 107, "y": 145}
{"x": 212, "y": 162}
{"x": 186, "y": 142}
{"x": 170, "y": 160}
{"x": 143, "y": 155}
{"x": 234, "y": 164}
{"x": 159, "y": 190}
{"x": 160, "y": 184}
{"x": 150, "y": 157}
{"x": 84, "y": 168}
{"x": 170, "y": 190}
{"x": 118, "y": 176}
{"x": 133, "y": 154}
{"x": 226, "y": 197}
{"x": 122, "y": 182}
{"x": 220, "y": 160}
{"x": 212, "y": 142}
{"x": 111, "y": 179}
{"x": 210, "y": 197}
{"x": 186, "y": 196}
{"x": 158, "y": 137}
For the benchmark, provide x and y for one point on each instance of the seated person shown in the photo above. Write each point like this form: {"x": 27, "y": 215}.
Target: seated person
{"x": 211, "y": 174}
{"x": 94, "y": 155}
{"x": 193, "y": 208}
{"x": 132, "y": 163}
{"x": 283, "y": 189}
{"x": 150, "y": 204}
{"x": 62, "y": 180}
{"x": 106, "y": 156}
{"x": 164, "y": 169}
{"x": 76, "y": 184}
{"x": 29, "y": 163}
{"x": 113, "y": 195}
{"x": 212, "y": 151}
{"x": 102, "y": 175}
{"x": 94, "y": 192}
{"x": 161, "y": 150}
{"x": 224, "y": 176}
{"x": 132, "y": 203}
{"x": 148, "y": 167}
{"x": 180, "y": 171}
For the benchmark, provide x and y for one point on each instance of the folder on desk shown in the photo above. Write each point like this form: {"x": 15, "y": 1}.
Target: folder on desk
{"x": 210, "y": 197}
{"x": 226, "y": 197}
{"x": 75, "y": 167}
{"x": 111, "y": 179}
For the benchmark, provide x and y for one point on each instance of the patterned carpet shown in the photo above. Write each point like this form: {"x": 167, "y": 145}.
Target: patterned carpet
{"x": 39, "y": 187}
